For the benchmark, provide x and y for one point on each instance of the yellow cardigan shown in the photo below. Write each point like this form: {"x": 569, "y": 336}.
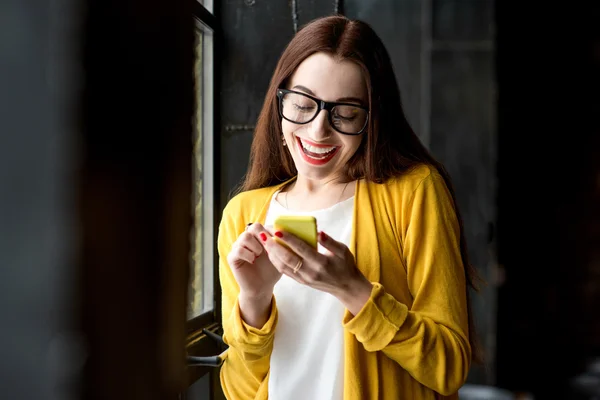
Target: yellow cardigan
{"x": 410, "y": 340}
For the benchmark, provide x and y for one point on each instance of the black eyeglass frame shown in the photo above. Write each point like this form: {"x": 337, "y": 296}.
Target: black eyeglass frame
{"x": 322, "y": 105}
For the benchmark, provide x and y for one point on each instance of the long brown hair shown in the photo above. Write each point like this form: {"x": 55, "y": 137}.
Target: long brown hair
{"x": 389, "y": 148}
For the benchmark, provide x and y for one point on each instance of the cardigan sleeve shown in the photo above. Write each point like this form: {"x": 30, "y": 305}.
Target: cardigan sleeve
{"x": 429, "y": 339}
{"x": 244, "y": 372}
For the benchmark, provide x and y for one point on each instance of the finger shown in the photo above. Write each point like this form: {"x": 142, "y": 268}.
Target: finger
{"x": 336, "y": 248}
{"x": 284, "y": 256}
{"x": 258, "y": 230}
{"x": 240, "y": 254}
{"x": 249, "y": 241}
{"x": 300, "y": 247}
{"x": 279, "y": 260}
{"x": 295, "y": 276}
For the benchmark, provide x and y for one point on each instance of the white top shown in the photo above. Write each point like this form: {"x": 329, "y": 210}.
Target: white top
{"x": 308, "y": 351}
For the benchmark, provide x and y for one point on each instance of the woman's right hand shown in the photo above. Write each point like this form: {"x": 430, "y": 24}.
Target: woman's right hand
{"x": 251, "y": 267}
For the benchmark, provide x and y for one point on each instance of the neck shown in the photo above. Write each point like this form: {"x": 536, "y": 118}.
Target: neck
{"x": 309, "y": 194}
{"x": 315, "y": 186}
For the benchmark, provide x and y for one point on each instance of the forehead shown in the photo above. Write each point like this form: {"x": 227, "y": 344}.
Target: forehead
{"x": 329, "y": 78}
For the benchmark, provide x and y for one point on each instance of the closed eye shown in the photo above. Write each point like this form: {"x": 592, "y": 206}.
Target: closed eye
{"x": 303, "y": 108}
{"x": 341, "y": 117}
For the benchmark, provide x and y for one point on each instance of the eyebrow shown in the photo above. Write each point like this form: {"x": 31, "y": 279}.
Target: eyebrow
{"x": 340, "y": 100}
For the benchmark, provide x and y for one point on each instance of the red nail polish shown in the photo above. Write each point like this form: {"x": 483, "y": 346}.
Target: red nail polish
{"x": 323, "y": 236}
{"x": 263, "y": 237}
{"x": 279, "y": 234}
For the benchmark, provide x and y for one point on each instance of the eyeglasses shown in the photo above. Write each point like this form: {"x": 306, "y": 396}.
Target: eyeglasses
{"x": 300, "y": 108}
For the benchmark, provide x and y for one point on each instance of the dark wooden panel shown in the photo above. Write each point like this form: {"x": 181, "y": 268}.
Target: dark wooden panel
{"x": 462, "y": 129}
{"x": 462, "y": 137}
{"x": 307, "y": 10}
{"x": 463, "y": 20}
{"x": 249, "y": 54}
{"x": 236, "y": 149}
{"x": 399, "y": 25}
{"x": 254, "y": 37}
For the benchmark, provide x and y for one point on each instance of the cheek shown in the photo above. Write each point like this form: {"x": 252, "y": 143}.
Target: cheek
{"x": 353, "y": 144}
{"x": 287, "y": 127}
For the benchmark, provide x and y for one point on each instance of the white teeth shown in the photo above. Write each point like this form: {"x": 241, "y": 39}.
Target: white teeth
{"x": 317, "y": 150}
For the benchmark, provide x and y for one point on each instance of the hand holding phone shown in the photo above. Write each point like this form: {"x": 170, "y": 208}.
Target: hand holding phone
{"x": 303, "y": 227}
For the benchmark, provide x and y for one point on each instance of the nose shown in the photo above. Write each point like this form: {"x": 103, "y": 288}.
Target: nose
{"x": 319, "y": 127}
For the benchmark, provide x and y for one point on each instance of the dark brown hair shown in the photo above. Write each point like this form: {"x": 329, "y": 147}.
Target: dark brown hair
{"x": 389, "y": 147}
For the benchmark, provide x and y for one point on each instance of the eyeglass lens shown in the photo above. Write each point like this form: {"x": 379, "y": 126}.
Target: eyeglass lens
{"x": 344, "y": 118}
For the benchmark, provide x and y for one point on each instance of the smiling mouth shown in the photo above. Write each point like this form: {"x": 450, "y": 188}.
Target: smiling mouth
{"x": 317, "y": 153}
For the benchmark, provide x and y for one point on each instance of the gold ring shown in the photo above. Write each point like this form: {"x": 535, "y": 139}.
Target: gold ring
{"x": 298, "y": 266}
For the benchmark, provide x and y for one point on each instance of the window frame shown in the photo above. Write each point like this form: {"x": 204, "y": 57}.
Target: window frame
{"x": 198, "y": 343}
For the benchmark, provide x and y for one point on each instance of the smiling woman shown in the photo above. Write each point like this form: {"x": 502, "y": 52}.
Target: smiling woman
{"x": 380, "y": 309}
{"x": 318, "y": 132}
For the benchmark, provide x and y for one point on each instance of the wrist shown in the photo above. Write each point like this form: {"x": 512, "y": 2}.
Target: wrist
{"x": 255, "y": 297}
{"x": 355, "y": 294}
{"x": 255, "y": 309}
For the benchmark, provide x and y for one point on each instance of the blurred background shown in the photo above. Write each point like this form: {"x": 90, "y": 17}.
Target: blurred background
{"x": 125, "y": 126}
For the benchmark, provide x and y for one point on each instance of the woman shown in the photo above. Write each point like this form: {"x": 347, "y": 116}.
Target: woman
{"x": 381, "y": 309}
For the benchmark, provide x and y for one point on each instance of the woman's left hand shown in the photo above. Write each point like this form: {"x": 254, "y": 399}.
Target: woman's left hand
{"x": 334, "y": 272}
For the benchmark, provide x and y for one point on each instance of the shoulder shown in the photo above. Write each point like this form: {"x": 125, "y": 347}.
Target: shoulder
{"x": 406, "y": 183}
{"x": 246, "y": 202}
{"x": 242, "y": 208}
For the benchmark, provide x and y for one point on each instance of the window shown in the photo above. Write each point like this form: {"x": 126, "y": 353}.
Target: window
{"x": 201, "y": 294}
{"x": 203, "y": 291}
{"x": 208, "y": 4}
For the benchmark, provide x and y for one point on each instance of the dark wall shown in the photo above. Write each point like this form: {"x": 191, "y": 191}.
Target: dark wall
{"x": 549, "y": 196}
{"x": 463, "y": 137}
{"x": 443, "y": 54}
{"x": 39, "y": 353}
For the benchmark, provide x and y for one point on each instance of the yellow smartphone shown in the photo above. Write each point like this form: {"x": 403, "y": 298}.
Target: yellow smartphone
{"x": 304, "y": 227}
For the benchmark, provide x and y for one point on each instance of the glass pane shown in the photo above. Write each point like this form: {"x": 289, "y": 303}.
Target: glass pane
{"x": 208, "y": 4}
{"x": 201, "y": 275}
